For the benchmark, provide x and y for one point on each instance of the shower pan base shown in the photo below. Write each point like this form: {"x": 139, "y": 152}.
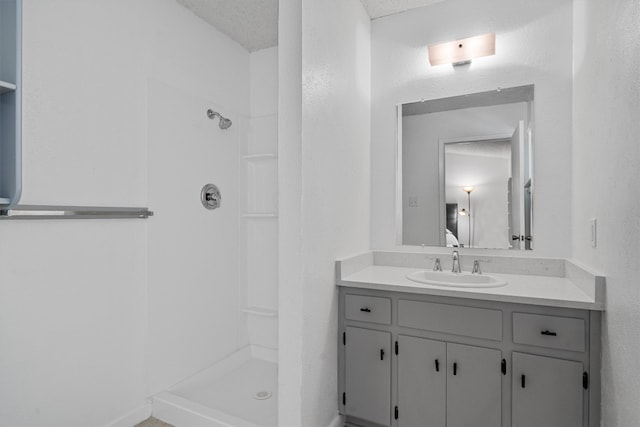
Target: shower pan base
{"x": 239, "y": 391}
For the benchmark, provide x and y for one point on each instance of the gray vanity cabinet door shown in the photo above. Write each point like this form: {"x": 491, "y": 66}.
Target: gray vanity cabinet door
{"x": 549, "y": 395}
{"x": 368, "y": 375}
{"x": 422, "y": 382}
{"x": 474, "y": 386}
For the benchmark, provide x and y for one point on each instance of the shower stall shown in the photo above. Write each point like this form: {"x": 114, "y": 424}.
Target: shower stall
{"x": 213, "y": 273}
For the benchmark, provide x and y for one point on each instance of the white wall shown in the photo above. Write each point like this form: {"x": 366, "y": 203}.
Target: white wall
{"x": 533, "y": 45}
{"x": 606, "y": 160}
{"x": 489, "y": 201}
{"x": 290, "y": 268}
{"x": 330, "y": 165}
{"x": 73, "y": 295}
{"x": 421, "y": 135}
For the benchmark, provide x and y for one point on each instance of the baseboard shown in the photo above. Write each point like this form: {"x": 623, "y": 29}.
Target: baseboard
{"x": 338, "y": 421}
{"x": 132, "y": 418}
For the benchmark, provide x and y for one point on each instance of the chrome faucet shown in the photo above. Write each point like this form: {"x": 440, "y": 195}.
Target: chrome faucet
{"x": 455, "y": 267}
{"x": 436, "y": 265}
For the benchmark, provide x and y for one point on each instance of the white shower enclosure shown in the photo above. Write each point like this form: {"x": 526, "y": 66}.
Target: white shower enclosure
{"x": 213, "y": 274}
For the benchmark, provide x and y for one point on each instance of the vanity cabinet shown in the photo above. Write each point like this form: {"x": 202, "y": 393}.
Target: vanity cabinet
{"x": 422, "y": 379}
{"x": 448, "y": 384}
{"x": 368, "y": 379}
{"x": 547, "y": 391}
{"x": 410, "y": 360}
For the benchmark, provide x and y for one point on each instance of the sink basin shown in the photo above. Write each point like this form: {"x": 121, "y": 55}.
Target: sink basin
{"x": 458, "y": 280}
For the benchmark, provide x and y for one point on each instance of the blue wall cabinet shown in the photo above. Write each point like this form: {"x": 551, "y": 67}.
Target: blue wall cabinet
{"x": 10, "y": 102}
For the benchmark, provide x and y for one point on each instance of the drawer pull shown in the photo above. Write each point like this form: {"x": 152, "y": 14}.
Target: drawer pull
{"x": 455, "y": 369}
{"x": 522, "y": 380}
{"x": 437, "y": 365}
{"x": 366, "y": 310}
{"x": 381, "y": 354}
{"x": 548, "y": 333}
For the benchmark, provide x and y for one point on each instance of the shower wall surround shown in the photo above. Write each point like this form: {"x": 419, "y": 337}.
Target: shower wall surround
{"x": 259, "y": 206}
{"x": 533, "y": 46}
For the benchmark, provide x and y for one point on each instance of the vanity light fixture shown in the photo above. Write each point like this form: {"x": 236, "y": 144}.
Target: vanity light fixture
{"x": 461, "y": 52}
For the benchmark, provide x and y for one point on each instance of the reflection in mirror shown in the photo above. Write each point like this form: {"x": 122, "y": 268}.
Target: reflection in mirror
{"x": 465, "y": 170}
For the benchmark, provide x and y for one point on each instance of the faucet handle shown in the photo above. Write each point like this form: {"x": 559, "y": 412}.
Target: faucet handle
{"x": 436, "y": 265}
{"x": 476, "y": 267}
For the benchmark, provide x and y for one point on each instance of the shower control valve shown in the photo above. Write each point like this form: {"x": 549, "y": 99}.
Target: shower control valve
{"x": 210, "y": 196}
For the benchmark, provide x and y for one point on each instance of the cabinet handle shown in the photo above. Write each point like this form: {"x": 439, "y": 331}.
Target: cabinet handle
{"x": 381, "y": 354}
{"x": 366, "y": 310}
{"x": 522, "y": 380}
{"x": 437, "y": 365}
{"x": 503, "y": 367}
{"x": 548, "y": 333}
{"x": 455, "y": 368}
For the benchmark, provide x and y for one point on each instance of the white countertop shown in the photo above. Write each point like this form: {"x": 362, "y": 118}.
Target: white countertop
{"x": 520, "y": 288}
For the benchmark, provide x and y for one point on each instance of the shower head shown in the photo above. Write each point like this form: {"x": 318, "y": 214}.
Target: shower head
{"x": 224, "y": 122}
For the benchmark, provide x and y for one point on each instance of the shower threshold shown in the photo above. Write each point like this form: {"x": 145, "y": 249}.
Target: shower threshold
{"x": 239, "y": 391}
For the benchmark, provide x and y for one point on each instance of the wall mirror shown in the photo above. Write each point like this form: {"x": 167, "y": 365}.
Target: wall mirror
{"x": 465, "y": 170}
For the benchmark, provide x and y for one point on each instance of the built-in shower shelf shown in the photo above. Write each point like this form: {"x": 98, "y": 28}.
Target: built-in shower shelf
{"x": 260, "y": 156}
{"x": 261, "y": 215}
{"x": 259, "y": 311}
{"x": 6, "y": 87}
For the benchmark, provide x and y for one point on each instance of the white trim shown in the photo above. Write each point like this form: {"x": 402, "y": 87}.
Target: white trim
{"x": 338, "y": 421}
{"x": 491, "y": 137}
{"x": 133, "y": 417}
{"x": 399, "y": 207}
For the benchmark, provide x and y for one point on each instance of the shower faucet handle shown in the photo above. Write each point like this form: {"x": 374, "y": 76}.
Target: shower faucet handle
{"x": 210, "y": 196}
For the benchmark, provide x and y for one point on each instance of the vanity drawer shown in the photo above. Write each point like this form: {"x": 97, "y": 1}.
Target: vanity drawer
{"x": 367, "y": 309}
{"x": 564, "y": 333}
{"x": 451, "y": 319}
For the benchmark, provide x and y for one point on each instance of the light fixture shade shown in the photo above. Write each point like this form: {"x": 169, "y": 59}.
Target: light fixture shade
{"x": 462, "y": 51}
{"x": 468, "y": 188}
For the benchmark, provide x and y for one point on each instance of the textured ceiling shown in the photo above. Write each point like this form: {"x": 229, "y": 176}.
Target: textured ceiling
{"x": 251, "y": 23}
{"x": 379, "y": 8}
{"x": 254, "y": 23}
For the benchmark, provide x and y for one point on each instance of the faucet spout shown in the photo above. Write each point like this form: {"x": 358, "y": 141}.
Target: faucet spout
{"x": 455, "y": 265}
